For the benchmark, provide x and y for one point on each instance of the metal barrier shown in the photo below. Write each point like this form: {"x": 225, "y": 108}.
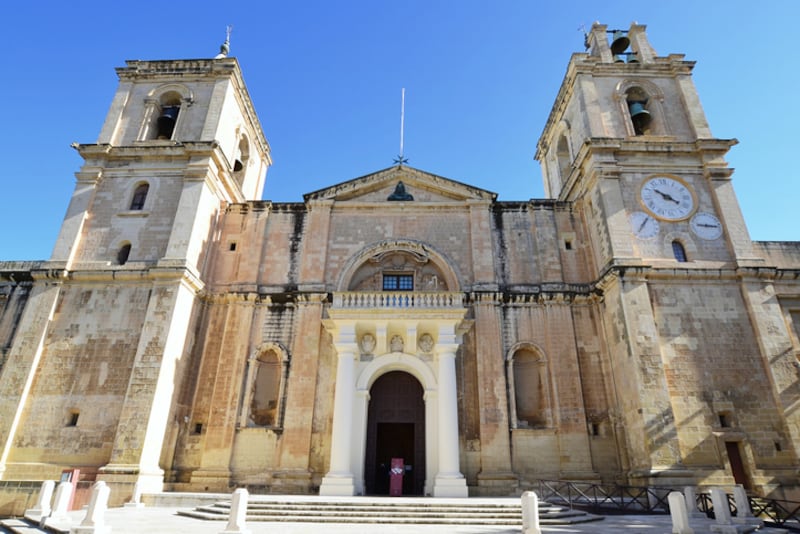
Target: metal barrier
{"x": 617, "y": 498}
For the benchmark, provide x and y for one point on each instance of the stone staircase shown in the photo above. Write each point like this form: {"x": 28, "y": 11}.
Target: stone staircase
{"x": 419, "y": 511}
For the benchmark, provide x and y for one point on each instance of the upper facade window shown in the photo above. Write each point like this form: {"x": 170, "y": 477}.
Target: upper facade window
{"x": 139, "y": 196}
{"x": 398, "y": 282}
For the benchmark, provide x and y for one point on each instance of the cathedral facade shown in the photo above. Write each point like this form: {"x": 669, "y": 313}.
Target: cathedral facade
{"x": 183, "y": 337}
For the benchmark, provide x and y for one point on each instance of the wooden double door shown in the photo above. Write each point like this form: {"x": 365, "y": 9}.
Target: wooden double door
{"x": 395, "y": 429}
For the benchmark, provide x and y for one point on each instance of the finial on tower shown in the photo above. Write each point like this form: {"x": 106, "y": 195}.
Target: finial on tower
{"x": 226, "y": 46}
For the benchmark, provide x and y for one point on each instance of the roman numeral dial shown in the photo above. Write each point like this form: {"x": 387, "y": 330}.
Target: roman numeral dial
{"x": 667, "y": 198}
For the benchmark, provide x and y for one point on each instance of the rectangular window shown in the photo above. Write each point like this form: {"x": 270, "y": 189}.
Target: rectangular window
{"x": 398, "y": 282}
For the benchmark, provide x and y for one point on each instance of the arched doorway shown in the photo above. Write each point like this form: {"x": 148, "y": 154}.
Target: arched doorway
{"x": 395, "y": 429}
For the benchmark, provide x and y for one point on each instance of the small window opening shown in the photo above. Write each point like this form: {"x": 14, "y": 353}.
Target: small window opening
{"x": 594, "y": 428}
{"x": 167, "y": 120}
{"x": 124, "y": 252}
{"x": 139, "y": 196}
{"x": 232, "y": 246}
{"x": 398, "y": 282}
{"x": 724, "y": 420}
{"x": 73, "y": 418}
{"x": 679, "y": 252}
{"x": 568, "y": 244}
{"x": 778, "y": 447}
{"x": 198, "y": 428}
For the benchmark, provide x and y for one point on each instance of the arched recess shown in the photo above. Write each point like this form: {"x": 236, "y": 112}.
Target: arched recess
{"x": 241, "y": 158}
{"x": 646, "y": 92}
{"x": 364, "y": 381}
{"x": 561, "y": 158}
{"x": 431, "y": 270}
{"x": 164, "y": 109}
{"x": 529, "y": 387}
{"x": 265, "y": 387}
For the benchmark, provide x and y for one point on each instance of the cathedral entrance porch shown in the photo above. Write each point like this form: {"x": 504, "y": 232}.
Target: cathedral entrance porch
{"x": 396, "y": 393}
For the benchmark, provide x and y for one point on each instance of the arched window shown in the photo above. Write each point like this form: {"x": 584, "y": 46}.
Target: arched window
{"x": 530, "y": 404}
{"x": 679, "y": 251}
{"x": 264, "y": 390}
{"x": 139, "y": 196}
{"x": 123, "y": 253}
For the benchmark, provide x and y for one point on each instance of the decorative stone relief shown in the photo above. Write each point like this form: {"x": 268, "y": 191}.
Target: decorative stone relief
{"x": 425, "y": 343}
{"x": 396, "y": 344}
{"x": 367, "y": 344}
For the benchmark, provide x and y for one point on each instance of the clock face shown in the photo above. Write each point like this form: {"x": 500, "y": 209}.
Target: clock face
{"x": 644, "y": 226}
{"x": 667, "y": 198}
{"x": 706, "y": 226}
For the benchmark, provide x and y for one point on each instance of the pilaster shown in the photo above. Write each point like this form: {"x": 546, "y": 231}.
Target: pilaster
{"x": 293, "y": 473}
{"x": 23, "y": 362}
{"x": 496, "y": 474}
{"x": 139, "y": 439}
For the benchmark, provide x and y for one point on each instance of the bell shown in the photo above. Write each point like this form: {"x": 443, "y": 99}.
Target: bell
{"x": 632, "y": 58}
{"x": 619, "y": 58}
{"x": 640, "y": 116}
{"x": 166, "y": 122}
{"x": 619, "y": 42}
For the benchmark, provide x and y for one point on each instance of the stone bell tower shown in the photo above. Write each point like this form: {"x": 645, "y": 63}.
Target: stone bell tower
{"x": 109, "y": 326}
{"x": 628, "y": 145}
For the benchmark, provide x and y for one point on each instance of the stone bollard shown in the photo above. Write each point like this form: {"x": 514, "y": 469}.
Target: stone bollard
{"x": 679, "y": 514}
{"x": 722, "y": 512}
{"x": 744, "y": 514}
{"x": 94, "y": 520}
{"x": 42, "y": 507}
{"x": 530, "y": 513}
{"x": 60, "y": 504}
{"x": 237, "y": 521}
{"x": 136, "y": 498}
{"x": 691, "y": 503}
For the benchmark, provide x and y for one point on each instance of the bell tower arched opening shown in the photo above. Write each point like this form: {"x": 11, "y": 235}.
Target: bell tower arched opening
{"x": 395, "y": 429}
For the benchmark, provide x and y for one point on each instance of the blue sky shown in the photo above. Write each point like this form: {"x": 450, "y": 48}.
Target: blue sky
{"x": 325, "y": 77}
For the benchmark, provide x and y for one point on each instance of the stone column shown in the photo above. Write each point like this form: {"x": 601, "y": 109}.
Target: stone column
{"x": 340, "y": 480}
{"x": 449, "y": 481}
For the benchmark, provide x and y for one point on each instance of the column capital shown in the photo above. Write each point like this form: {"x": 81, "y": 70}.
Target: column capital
{"x": 446, "y": 349}
{"x": 346, "y": 348}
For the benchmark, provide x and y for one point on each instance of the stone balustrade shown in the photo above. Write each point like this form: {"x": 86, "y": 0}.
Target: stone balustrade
{"x": 397, "y": 300}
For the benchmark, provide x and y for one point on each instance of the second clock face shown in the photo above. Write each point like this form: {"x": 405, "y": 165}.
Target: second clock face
{"x": 667, "y": 198}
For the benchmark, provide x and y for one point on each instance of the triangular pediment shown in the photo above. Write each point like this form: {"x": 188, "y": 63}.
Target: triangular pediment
{"x": 380, "y": 186}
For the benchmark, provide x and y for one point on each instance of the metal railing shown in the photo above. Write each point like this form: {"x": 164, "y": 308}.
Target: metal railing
{"x": 617, "y": 498}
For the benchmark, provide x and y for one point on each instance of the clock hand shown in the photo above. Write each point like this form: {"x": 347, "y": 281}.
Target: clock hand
{"x": 665, "y": 196}
{"x": 642, "y": 225}
{"x": 708, "y": 225}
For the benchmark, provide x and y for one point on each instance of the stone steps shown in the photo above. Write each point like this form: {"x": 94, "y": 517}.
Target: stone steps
{"x": 418, "y": 511}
